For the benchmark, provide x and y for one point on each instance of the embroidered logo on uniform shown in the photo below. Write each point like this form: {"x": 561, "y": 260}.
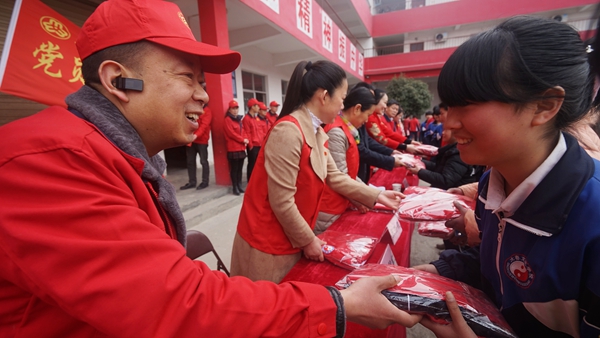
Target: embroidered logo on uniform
{"x": 327, "y": 249}
{"x": 518, "y": 269}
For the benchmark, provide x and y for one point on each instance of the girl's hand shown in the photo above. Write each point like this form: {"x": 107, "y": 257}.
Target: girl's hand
{"x": 426, "y": 267}
{"x": 457, "y": 328}
{"x": 412, "y": 149}
{"x": 390, "y": 199}
{"x": 414, "y": 170}
{"x": 313, "y": 250}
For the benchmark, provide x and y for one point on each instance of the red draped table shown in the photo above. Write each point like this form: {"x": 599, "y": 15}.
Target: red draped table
{"x": 370, "y": 224}
{"x": 373, "y": 224}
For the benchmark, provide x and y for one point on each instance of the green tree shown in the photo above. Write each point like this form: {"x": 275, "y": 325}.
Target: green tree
{"x": 413, "y": 95}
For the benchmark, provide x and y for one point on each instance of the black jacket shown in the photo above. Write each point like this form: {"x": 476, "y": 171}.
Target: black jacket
{"x": 372, "y": 153}
{"x": 446, "y": 170}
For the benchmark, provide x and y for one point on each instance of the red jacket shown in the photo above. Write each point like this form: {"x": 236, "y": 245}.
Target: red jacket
{"x": 235, "y": 133}
{"x": 203, "y": 131}
{"x": 84, "y": 253}
{"x": 254, "y": 130}
{"x": 257, "y": 213}
{"x": 263, "y": 125}
{"x": 332, "y": 202}
{"x": 414, "y": 125}
{"x": 272, "y": 118}
{"x": 380, "y": 130}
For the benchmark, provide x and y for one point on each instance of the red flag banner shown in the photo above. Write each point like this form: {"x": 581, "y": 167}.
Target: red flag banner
{"x": 40, "y": 61}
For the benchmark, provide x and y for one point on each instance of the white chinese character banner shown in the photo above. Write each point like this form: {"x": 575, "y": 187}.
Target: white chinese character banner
{"x": 341, "y": 46}
{"x": 352, "y": 57}
{"x": 361, "y": 61}
{"x": 304, "y": 16}
{"x": 327, "y": 31}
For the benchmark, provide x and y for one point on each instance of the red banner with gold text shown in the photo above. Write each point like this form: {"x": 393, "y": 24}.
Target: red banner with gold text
{"x": 40, "y": 61}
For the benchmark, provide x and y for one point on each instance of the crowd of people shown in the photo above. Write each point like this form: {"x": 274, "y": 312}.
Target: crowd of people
{"x": 93, "y": 240}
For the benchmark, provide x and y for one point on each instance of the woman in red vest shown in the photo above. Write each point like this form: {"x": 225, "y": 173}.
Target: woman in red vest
{"x": 343, "y": 145}
{"x": 282, "y": 201}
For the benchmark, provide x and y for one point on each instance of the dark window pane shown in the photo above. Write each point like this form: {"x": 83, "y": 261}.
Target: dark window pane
{"x": 284, "y": 85}
{"x": 247, "y": 80}
{"x": 417, "y": 46}
{"x": 259, "y": 83}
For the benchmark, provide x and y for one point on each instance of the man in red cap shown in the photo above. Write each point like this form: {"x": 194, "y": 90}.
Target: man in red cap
{"x": 92, "y": 240}
{"x": 272, "y": 115}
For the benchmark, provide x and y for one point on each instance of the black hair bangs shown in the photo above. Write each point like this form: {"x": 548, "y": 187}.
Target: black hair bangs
{"x": 473, "y": 73}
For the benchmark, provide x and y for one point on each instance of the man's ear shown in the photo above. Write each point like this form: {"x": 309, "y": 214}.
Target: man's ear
{"x": 549, "y": 106}
{"x": 108, "y": 72}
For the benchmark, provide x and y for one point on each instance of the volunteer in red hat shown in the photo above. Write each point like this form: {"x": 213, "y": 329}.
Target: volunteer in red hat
{"x": 272, "y": 115}
{"x": 250, "y": 122}
{"x": 91, "y": 235}
{"x": 262, "y": 123}
{"x": 237, "y": 139}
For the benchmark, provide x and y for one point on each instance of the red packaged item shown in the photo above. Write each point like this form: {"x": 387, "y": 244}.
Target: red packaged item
{"x": 434, "y": 229}
{"x": 427, "y": 149}
{"x": 410, "y": 160}
{"x": 431, "y": 204}
{"x": 348, "y": 251}
{"x": 424, "y": 293}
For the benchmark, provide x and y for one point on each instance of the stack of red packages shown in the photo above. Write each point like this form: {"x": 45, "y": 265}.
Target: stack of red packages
{"x": 410, "y": 160}
{"x": 431, "y": 204}
{"x": 427, "y": 149}
{"x": 348, "y": 251}
{"x": 423, "y": 293}
{"x": 436, "y": 229}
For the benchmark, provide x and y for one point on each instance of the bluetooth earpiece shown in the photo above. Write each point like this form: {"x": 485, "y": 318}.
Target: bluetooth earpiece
{"x": 124, "y": 83}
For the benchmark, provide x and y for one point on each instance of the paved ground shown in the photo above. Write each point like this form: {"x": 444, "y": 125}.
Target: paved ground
{"x": 215, "y": 211}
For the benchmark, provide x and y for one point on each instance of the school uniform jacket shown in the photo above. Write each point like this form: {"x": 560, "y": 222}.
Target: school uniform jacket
{"x": 84, "y": 250}
{"x": 280, "y": 207}
{"x": 542, "y": 264}
{"x": 446, "y": 170}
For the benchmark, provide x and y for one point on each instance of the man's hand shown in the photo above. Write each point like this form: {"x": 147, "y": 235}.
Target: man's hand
{"x": 365, "y": 304}
{"x": 313, "y": 250}
{"x": 457, "y": 328}
{"x": 390, "y": 199}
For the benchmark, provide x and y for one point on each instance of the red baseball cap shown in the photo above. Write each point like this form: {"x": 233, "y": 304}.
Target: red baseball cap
{"x": 233, "y": 104}
{"x": 262, "y": 106}
{"x": 252, "y": 102}
{"x": 273, "y": 103}
{"x": 117, "y": 22}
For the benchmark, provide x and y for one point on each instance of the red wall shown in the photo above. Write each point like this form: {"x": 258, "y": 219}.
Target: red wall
{"x": 462, "y": 12}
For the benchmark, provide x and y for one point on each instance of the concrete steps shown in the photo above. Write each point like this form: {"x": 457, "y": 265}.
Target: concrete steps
{"x": 199, "y": 205}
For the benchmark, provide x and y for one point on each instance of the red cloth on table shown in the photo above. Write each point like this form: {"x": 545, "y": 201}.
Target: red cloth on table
{"x": 424, "y": 203}
{"x": 348, "y": 251}
{"x": 324, "y": 273}
{"x": 384, "y": 178}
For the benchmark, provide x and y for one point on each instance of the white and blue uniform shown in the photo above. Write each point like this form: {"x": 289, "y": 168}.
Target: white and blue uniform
{"x": 539, "y": 258}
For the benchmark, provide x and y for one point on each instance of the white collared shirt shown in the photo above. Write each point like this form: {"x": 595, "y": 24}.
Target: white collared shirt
{"x": 316, "y": 122}
{"x": 508, "y": 205}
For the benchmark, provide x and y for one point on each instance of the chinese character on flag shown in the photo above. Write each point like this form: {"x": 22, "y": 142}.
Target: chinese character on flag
{"x": 352, "y": 57}
{"x": 341, "y": 46}
{"x": 304, "y": 16}
{"x": 327, "y": 36}
{"x": 40, "y": 61}
{"x": 361, "y": 61}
